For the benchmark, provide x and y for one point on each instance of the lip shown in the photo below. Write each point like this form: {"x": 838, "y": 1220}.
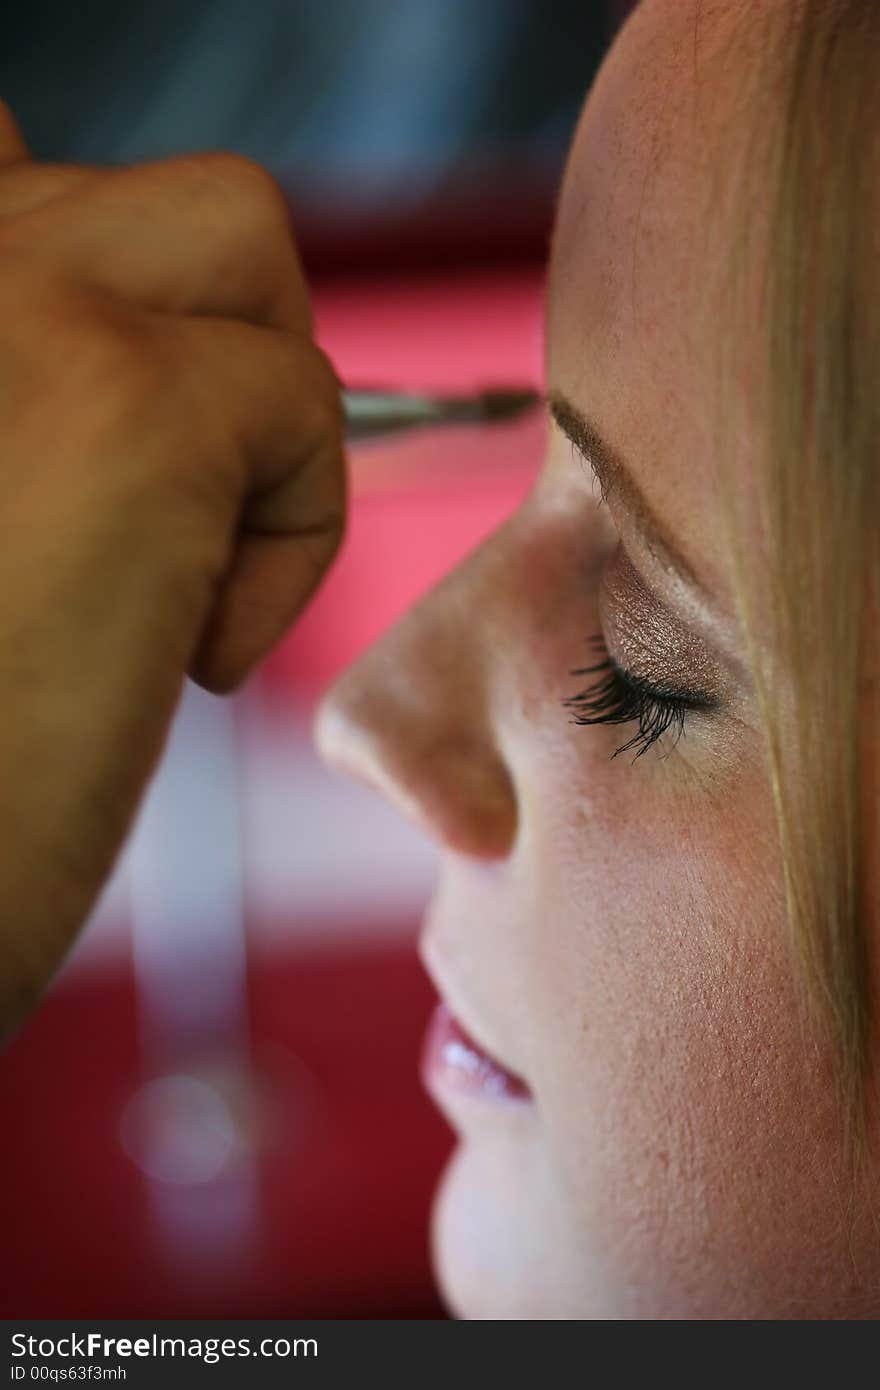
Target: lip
{"x": 454, "y": 1065}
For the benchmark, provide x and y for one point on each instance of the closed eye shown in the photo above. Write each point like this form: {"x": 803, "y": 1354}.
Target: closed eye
{"x": 616, "y": 696}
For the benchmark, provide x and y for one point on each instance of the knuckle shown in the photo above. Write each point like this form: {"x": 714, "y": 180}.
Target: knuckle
{"x": 245, "y": 193}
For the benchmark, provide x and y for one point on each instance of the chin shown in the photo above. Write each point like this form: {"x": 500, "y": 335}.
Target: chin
{"x": 467, "y": 1246}
{"x": 492, "y": 1248}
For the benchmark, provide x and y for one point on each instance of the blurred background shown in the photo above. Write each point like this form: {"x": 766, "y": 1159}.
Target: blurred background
{"x": 216, "y": 1112}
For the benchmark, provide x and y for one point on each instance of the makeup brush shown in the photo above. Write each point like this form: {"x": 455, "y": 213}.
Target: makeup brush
{"x": 370, "y": 413}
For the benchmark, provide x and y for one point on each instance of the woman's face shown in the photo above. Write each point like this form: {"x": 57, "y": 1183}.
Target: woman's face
{"x": 612, "y": 931}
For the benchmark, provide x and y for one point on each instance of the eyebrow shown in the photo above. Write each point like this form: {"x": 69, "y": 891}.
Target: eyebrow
{"x": 616, "y": 480}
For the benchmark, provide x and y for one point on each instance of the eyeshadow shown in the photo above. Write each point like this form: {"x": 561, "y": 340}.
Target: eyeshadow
{"x": 646, "y": 638}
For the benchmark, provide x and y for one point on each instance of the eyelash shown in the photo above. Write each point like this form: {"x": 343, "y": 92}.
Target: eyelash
{"x": 617, "y": 697}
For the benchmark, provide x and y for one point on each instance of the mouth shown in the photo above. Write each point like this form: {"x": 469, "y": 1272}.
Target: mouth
{"x": 454, "y": 1065}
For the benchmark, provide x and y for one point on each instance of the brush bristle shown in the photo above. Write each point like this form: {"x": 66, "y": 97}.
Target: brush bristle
{"x": 503, "y": 405}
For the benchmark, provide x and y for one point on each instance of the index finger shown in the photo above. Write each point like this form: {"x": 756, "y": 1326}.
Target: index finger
{"x": 274, "y": 461}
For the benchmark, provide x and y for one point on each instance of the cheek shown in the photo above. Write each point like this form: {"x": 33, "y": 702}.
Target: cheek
{"x": 689, "y": 1136}
{"x": 689, "y": 1117}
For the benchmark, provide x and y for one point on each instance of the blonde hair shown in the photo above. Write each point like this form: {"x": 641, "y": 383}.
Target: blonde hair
{"x": 816, "y": 116}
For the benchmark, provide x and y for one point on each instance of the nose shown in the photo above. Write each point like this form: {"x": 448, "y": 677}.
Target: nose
{"x": 412, "y": 716}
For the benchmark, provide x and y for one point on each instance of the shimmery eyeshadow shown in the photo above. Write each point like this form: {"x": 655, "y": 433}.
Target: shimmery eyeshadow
{"x": 646, "y": 638}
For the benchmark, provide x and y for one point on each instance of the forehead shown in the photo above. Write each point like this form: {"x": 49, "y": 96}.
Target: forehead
{"x": 642, "y": 237}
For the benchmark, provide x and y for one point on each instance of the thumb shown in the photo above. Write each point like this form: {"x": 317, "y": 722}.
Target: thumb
{"x": 12, "y": 144}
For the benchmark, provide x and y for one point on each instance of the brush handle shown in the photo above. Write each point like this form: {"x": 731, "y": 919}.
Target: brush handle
{"x": 369, "y": 413}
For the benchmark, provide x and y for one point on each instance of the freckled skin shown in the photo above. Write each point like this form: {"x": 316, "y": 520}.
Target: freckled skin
{"x": 616, "y": 927}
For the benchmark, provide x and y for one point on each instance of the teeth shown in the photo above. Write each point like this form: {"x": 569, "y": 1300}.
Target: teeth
{"x": 491, "y": 1075}
{"x": 455, "y": 1054}
{"x": 458, "y": 1054}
